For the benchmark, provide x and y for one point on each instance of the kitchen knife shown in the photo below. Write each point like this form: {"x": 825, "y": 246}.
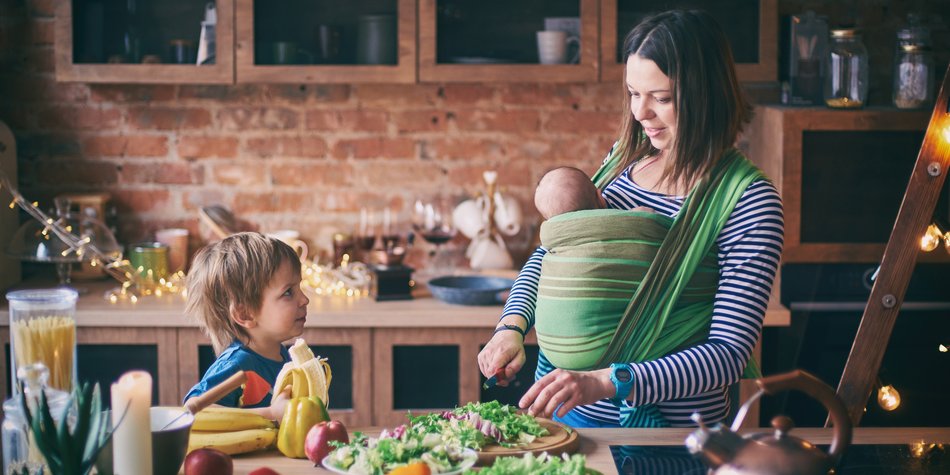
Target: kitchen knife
{"x": 493, "y": 380}
{"x": 196, "y": 404}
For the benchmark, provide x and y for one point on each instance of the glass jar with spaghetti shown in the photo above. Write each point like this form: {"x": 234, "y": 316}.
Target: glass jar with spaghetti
{"x": 43, "y": 330}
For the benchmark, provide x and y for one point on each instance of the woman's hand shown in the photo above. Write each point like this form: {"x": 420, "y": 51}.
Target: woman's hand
{"x": 567, "y": 389}
{"x": 503, "y": 355}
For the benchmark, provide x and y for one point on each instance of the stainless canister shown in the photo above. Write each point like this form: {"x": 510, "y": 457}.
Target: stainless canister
{"x": 376, "y": 39}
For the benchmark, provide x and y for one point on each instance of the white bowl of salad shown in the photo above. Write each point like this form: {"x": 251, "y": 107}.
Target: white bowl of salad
{"x": 372, "y": 456}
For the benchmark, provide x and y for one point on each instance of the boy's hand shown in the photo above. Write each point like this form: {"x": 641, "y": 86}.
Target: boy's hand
{"x": 278, "y": 403}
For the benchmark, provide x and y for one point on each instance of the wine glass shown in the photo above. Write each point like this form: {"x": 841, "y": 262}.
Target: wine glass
{"x": 433, "y": 221}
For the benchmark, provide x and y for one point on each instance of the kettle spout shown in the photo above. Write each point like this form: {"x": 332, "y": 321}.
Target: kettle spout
{"x": 714, "y": 446}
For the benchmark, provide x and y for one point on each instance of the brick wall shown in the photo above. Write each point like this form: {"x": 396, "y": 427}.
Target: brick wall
{"x": 287, "y": 156}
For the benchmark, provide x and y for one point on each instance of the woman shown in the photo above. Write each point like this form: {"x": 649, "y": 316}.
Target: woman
{"x": 682, "y": 115}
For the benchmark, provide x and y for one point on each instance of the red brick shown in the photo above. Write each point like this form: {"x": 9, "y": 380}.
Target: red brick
{"x": 193, "y": 199}
{"x": 309, "y": 147}
{"x": 42, "y": 32}
{"x": 510, "y": 121}
{"x": 76, "y": 172}
{"x": 375, "y": 147}
{"x": 270, "y": 201}
{"x": 126, "y": 146}
{"x": 582, "y": 122}
{"x": 242, "y": 173}
{"x": 250, "y": 118}
{"x": 40, "y": 60}
{"x": 286, "y": 92}
{"x": 168, "y": 118}
{"x": 420, "y": 121}
{"x": 347, "y": 120}
{"x": 174, "y": 173}
{"x": 80, "y": 118}
{"x": 140, "y": 200}
{"x": 511, "y": 174}
{"x": 204, "y": 147}
{"x": 331, "y": 93}
{"x": 396, "y": 95}
{"x": 467, "y": 94}
{"x": 542, "y": 95}
{"x": 42, "y": 8}
{"x": 312, "y": 174}
{"x": 131, "y": 93}
{"x": 238, "y": 94}
{"x": 409, "y": 174}
{"x": 460, "y": 147}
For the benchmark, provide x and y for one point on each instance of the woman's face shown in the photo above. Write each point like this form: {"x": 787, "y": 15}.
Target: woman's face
{"x": 651, "y": 101}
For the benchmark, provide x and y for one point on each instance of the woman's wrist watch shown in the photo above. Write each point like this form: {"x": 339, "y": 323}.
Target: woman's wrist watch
{"x": 622, "y": 377}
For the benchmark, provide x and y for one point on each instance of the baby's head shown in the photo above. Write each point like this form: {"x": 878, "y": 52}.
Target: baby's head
{"x": 228, "y": 280}
{"x": 566, "y": 189}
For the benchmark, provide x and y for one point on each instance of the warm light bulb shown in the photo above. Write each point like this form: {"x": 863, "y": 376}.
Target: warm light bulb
{"x": 888, "y": 398}
{"x": 931, "y": 238}
{"x": 946, "y": 241}
{"x": 943, "y": 348}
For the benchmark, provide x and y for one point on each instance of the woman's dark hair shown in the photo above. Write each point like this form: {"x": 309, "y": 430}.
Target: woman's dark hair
{"x": 691, "y": 49}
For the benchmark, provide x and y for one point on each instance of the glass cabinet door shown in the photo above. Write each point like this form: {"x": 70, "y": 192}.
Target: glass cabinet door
{"x": 145, "y": 41}
{"x": 750, "y": 25}
{"x": 498, "y": 40}
{"x": 326, "y": 41}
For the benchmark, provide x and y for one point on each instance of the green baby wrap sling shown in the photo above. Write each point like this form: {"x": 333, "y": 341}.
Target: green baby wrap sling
{"x": 633, "y": 286}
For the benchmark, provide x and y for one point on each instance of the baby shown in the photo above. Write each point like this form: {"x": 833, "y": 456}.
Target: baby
{"x": 566, "y": 189}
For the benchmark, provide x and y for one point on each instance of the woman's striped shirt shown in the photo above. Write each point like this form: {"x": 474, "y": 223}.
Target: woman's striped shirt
{"x": 695, "y": 379}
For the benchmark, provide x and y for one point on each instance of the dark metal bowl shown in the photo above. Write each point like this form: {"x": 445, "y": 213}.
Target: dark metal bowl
{"x": 168, "y": 445}
{"x": 470, "y": 290}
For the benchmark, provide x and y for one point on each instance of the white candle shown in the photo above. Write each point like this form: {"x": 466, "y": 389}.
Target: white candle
{"x": 386, "y": 222}
{"x": 132, "y": 436}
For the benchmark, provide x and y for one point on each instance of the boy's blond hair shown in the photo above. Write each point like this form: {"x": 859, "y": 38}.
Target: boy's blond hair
{"x": 230, "y": 276}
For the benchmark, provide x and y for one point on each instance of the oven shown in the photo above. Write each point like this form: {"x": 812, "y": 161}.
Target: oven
{"x": 827, "y": 302}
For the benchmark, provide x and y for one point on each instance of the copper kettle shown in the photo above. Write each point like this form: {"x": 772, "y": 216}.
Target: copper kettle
{"x": 777, "y": 453}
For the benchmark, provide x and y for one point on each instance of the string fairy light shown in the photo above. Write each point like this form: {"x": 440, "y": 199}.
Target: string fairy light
{"x": 350, "y": 279}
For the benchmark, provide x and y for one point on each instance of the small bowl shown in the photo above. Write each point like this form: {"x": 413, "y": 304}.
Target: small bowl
{"x": 168, "y": 446}
{"x": 470, "y": 290}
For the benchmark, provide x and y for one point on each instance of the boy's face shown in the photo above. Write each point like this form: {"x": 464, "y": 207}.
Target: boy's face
{"x": 283, "y": 309}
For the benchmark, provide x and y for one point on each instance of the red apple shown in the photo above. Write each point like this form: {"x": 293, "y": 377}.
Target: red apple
{"x": 263, "y": 471}
{"x": 208, "y": 462}
{"x": 317, "y": 444}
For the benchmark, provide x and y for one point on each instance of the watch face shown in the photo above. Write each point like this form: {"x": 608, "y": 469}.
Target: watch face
{"x": 623, "y": 375}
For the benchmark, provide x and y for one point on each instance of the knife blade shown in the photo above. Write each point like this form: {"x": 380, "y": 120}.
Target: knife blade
{"x": 493, "y": 380}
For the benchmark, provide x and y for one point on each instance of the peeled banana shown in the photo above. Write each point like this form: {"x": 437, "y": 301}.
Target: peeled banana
{"x": 223, "y": 419}
{"x": 306, "y": 374}
{"x": 234, "y": 442}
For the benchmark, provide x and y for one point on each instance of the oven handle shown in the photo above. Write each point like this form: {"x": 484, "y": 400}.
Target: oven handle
{"x": 859, "y": 306}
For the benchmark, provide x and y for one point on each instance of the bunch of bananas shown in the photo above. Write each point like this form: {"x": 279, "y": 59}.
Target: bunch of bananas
{"x": 231, "y": 430}
{"x": 306, "y": 374}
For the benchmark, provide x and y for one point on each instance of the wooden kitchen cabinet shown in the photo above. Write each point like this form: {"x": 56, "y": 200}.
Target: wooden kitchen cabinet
{"x": 750, "y": 25}
{"x": 90, "y": 32}
{"x": 263, "y": 28}
{"x": 495, "y": 41}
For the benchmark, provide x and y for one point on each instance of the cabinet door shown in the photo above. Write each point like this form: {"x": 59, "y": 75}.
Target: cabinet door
{"x": 326, "y": 41}
{"x": 496, "y": 40}
{"x": 106, "y": 42}
{"x": 750, "y": 25}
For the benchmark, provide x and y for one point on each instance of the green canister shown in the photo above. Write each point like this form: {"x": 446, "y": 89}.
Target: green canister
{"x": 150, "y": 256}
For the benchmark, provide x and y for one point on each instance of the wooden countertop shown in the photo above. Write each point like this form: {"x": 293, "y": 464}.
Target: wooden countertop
{"x": 93, "y": 310}
{"x": 595, "y": 445}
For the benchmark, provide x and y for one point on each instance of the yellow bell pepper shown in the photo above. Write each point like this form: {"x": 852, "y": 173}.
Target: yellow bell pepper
{"x": 300, "y": 415}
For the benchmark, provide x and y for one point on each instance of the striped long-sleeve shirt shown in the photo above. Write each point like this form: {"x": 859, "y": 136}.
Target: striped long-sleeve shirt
{"x": 695, "y": 379}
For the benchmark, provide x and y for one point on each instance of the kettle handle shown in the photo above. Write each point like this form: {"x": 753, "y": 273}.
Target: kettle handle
{"x": 817, "y": 389}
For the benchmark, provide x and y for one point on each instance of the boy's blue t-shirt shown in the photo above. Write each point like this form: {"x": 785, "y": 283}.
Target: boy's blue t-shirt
{"x": 261, "y": 376}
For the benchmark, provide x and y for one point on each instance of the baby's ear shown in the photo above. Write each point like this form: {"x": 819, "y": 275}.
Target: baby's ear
{"x": 242, "y": 317}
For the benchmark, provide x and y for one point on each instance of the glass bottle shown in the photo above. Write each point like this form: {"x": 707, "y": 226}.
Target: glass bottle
{"x": 19, "y": 450}
{"x": 913, "y": 77}
{"x": 43, "y": 330}
{"x": 132, "y": 35}
{"x": 846, "y": 74}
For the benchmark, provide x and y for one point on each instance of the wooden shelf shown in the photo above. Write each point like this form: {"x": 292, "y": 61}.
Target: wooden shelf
{"x": 222, "y": 72}
{"x": 430, "y": 70}
{"x": 249, "y": 71}
{"x": 763, "y": 69}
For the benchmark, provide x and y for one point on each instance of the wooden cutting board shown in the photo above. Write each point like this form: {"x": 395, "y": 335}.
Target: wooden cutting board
{"x": 561, "y": 439}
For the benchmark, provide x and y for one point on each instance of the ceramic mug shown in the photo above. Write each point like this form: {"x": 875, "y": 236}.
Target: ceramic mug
{"x": 292, "y": 239}
{"x": 553, "y": 47}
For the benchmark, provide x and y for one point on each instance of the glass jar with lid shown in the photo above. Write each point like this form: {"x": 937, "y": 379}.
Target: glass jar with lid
{"x": 20, "y": 452}
{"x": 846, "y": 74}
{"x": 43, "y": 330}
{"x": 913, "y": 77}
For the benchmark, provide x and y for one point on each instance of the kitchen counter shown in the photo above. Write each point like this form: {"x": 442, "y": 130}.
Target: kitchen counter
{"x": 595, "y": 445}
{"x": 370, "y": 334}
